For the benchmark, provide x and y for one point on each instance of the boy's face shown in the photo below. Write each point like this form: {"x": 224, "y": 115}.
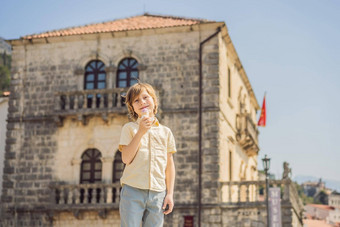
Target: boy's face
{"x": 141, "y": 101}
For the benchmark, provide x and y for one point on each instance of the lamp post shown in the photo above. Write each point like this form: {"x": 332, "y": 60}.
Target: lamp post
{"x": 266, "y": 166}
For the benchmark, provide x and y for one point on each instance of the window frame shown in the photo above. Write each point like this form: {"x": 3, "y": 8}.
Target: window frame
{"x": 94, "y": 156}
{"x": 128, "y": 68}
{"x": 116, "y": 169}
{"x": 95, "y": 71}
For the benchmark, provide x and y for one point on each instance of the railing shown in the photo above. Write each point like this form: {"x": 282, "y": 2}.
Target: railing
{"x": 247, "y": 195}
{"x": 85, "y": 195}
{"x": 90, "y": 101}
{"x": 247, "y": 134}
{"x": 254, "y": 192}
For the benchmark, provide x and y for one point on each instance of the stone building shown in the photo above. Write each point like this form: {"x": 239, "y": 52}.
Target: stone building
{"x": 4, "y": 46}
{"x": 312, "y": 188}
{"x": 3, "y": 118}
{"x": 62, "y": 166}
{"x": 334, "y": 215}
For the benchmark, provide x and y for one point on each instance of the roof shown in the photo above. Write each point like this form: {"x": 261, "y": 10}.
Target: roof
{"x": 145, "y": 21}
{"x": 141, "y": 22}
{"x": 335, "y": 193}
{"x": 315, "y": 223}
{"x": 321, "y": 206}
{"x": 4, "y": 97}
{"x": 310, "y": 183}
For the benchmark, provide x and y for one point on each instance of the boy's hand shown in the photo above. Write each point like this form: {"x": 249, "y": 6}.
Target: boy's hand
{"x": 168, "y": 201}
{"x": 145, "y": 124}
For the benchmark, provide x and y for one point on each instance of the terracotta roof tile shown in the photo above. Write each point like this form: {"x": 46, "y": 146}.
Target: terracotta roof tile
{"x": 315, "y": 223}
{"x": 5, "y": 93}
{"x": 321, "y": 206}
{"x": 145, "y": 21}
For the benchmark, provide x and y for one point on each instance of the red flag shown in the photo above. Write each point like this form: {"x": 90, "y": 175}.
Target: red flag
{"x": 262, "y": 120}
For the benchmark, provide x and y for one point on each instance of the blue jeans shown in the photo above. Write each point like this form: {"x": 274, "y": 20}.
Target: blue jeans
{"x": 139, "y": 206}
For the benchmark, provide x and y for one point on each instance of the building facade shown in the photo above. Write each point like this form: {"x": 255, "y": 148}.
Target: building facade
{"x": 66, "y": 111}
{"x": 4, "y": 47}
{"x": 3, "y": 118}
{"x": 313, "y": 188}
{"x": 334, "y": 215}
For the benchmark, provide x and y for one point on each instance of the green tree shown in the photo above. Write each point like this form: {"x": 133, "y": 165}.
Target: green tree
{"x": 305, "y": 199}
{"x": 5, "y": 78}
{"x": 5, "y": 72}
{"x": 321, "y": 198}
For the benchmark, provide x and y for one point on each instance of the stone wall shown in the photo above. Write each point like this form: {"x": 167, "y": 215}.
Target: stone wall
{"x": 4, "y": 47}
{"x": 74, "y": 138}
{"x": 35, "y": 144}
{"x": 243, "y": 166}
{"x": 87, "y": 219}
{"x": 3, "y": 118}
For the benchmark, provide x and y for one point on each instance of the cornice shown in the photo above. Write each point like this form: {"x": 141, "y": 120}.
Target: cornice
{"x": 116, "y": 34}
{"x": 238, "y": 64}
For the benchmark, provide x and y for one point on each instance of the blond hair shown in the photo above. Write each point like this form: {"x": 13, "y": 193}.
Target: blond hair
{"x": 133, "y": 92}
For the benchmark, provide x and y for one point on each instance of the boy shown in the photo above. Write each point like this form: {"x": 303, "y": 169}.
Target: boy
{"x": 149, "y": 175}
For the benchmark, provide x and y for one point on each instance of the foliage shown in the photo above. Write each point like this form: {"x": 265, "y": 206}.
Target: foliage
{"x": 5, "y": 74}
{"x": 4, "y": 78}
{"x": 305, "y": 199}
{"x": 321, "y": 198}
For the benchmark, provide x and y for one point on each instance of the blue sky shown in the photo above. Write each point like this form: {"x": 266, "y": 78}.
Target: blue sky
{"x": 290, "y": 49}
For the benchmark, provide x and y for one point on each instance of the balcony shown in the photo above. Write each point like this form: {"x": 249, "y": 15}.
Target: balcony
{"x": 247, "y": 134}
{"x": 81, "y": 104}
{"x": 238, "y": 200}
{"x": 81, "y": 197}
{"x": 245, "y": 200}
{"x": 247, "y": 192}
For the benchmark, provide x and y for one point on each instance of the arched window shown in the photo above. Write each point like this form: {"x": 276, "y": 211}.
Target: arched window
{"x": 91, "y": 167}
{"x": 95, "y": 78}
{"x": 118, "y": 167}
{"x": 127, "y": 73}
{"x": 95, "y": 75}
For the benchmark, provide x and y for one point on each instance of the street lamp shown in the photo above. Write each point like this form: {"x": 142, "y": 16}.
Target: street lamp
{"x": 266, "y": 166}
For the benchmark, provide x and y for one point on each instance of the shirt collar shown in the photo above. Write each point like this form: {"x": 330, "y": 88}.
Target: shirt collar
{"x": 155, "y": 123}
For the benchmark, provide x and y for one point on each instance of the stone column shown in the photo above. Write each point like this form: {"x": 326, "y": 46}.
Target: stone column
{"x": 80, "y": 72}
{"x": 107, "y": 169}
{"x": 76, "y": 170}
{"x": 110, "y": 76}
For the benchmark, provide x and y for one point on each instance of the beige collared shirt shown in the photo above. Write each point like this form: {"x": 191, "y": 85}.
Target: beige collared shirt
{"x": 147, "y": 170}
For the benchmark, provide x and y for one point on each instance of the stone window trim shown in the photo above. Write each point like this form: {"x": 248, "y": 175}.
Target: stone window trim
{"x": 94, "y": 70}
{"x": 108, "y": 168}
{"x": 118, "y": 167}
{"x": 128, "y": 53}
{"x": 80, "y": 71}
{"x": 90, "y": 166}
{"x": 111, "y": 72}
{"x": 76, "y": 162}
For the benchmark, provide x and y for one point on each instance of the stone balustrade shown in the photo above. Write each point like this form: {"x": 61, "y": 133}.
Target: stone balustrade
{"x": 85, "y": 195}
{"x": 247, "y": 133}
{"x": 245, "y": 201}
{"x": 237, "y": 192}
{"x": 250, "y": 193}
{"x": 239, "y": 201}
{"x": 90, "y": 101}
{"x": 83, "y": 104}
